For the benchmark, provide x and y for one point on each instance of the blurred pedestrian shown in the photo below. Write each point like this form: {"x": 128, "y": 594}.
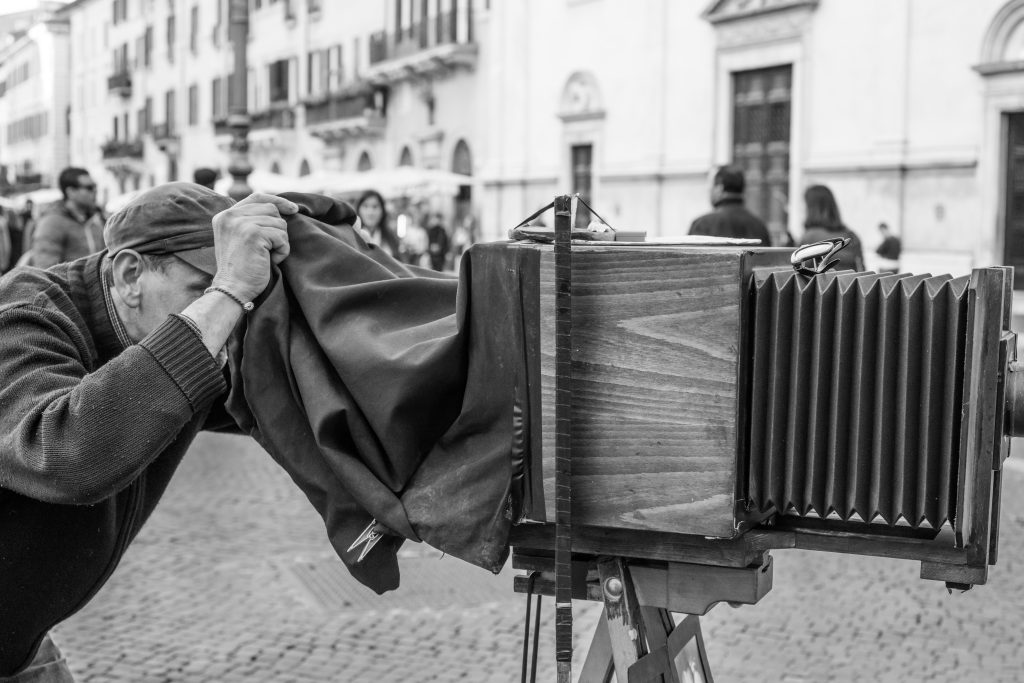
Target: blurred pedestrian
{"x": 463, "y": 237}
{"x": 823, "y": 222}
{"x": 205, "y": 177}
{"x": 373, "y": 216}
{"x": 6, "y": 258}
{"x": 730, "y": 217}
{"x": 20, "y": 224}
{"x": 889, "y": 250}
{"x": 437, "y": 242}
{"x": 109, "y": 368}
{"x": 414, "y": 237}
{"x": 64, "y": 232}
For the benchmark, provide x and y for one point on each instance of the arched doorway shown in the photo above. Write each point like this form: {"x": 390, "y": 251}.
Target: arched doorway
{"x": 405, "y": 159}
{"x": 304, "y": 168}
{"x": 275, "y": 168}
{"x": 364, "y": 163}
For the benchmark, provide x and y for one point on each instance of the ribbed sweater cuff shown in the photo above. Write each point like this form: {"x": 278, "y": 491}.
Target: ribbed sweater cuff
{"x": 182, "y": 354}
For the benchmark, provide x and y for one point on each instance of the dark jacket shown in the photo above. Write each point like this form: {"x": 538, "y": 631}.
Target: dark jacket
{"x": 731, "y": 219}
{"x": 356, "y": 374}
{"x": 90, "y": 434}
{"x": 60, "y": 236}
{"x": 851, "y": 257}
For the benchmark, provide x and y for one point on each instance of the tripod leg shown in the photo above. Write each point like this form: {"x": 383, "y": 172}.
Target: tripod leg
{"x": 599, "y": 666}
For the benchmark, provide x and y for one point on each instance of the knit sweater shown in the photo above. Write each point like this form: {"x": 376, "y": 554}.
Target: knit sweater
{"x": 90, "y": 434}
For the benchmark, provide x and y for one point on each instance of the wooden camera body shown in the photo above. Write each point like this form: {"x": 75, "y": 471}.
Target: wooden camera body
{"x": 724, "y": 405}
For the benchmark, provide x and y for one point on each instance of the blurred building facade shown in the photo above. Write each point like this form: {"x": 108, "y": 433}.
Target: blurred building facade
{"x": 910, "y": 110}
{"x": 34, "y": 101}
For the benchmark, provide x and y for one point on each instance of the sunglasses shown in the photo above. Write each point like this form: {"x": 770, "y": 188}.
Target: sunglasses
{"x": 86, "y": 187}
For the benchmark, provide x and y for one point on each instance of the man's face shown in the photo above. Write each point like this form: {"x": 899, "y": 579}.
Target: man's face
{"x": 168, "y": 290}
{"x": 83, "y": 192}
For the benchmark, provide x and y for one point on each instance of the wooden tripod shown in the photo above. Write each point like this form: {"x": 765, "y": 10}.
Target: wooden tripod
{"x": 637, "y": 639}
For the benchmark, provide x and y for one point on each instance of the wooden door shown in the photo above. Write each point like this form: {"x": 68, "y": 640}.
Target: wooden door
{"x": 1013, "y": 230}
{"x": 761, "y": 133}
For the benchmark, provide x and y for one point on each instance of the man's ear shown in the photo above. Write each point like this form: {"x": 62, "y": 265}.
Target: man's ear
{"x": 127, "y": 268}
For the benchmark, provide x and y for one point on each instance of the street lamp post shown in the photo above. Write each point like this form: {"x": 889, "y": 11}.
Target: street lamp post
{"x": 238, "y": 94}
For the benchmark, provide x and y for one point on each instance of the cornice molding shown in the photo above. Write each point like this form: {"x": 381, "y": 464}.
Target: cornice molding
{"x": 721, "y": 11}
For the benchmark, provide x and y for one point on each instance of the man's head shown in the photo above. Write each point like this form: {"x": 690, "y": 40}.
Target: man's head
{"x": 78, "y": 188}
{"x": 883, "y": 228}
{"x": 162, "y": 253}
{"x": 728, "y": 182}
{"x": 205, "y": 177}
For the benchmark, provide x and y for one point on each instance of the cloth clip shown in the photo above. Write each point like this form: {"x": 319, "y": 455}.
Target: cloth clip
{"x": 818, "y": 255}
{"x": 371, "y": 535}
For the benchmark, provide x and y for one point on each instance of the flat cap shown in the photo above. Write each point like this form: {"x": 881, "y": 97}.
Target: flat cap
{"x": 173, "y": 218}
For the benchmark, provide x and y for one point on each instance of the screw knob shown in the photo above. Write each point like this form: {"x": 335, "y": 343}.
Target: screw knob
{"x": 613, "y": 589}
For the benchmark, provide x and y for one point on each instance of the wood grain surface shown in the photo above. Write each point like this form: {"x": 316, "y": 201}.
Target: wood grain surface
{"x": 656, "y": 348}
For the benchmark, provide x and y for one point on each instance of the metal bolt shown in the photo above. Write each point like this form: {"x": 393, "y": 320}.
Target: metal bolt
{"x": 613, "y": 589}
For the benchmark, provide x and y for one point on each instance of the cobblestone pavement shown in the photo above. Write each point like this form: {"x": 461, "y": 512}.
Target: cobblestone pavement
{"x": 233, "y": 580}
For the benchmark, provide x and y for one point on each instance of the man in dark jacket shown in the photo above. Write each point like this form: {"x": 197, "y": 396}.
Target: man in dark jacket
{"x": 109, "y": 366}
{"x": 67, "y": 230}
{"x": 730, "y": 218}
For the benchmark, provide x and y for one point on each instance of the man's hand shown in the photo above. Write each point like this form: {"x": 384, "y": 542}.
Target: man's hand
{"x": 248, "y": 237}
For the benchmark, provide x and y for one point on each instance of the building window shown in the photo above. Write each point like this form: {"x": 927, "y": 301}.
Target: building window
{"x": 365, "y": 164}
{"x": 170, "y": 107}
{"x": 582, "y": 157}
{"x": 193, "y": 36}
{"x": 117, "y": 128}
{"x": 147, "y": 47}
{"x": 762, "y": 101}
{"x": 170, "y": 38}
{"x": 120, "y": 12}
{"x": 278, "y": 79}
{"x": 334, "y": 69}
{"x": 193, "y": 104}
{"x": 217, "y": 98}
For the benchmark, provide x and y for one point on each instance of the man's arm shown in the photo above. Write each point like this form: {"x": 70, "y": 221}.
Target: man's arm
{"x": 48, "y": 240}
{"x": 74, "y": 437}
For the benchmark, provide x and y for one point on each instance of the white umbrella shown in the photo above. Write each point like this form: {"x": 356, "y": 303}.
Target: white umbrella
{"x": 404, "y": 181}
{"x": 263, "y": 181}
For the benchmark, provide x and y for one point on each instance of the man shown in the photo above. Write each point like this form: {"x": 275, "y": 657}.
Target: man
{"x": 65, "y": 232}
{"x": 205, "y": 177}
{"x": 437, "y": 242}
{"x": 730, "y": 218}
{"x": 108, "y": 369}
{"x": 889, "y": 250}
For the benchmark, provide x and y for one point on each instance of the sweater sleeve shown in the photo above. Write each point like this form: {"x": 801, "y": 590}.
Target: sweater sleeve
{"x": 74, "y": 437}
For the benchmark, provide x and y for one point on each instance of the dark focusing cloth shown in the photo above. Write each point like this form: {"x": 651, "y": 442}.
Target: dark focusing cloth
{"x": 356, "y": 373}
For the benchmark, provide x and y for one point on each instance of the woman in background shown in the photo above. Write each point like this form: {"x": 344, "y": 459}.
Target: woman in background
{"x": 823, "y": 222}
{"x": 374, "y": 218}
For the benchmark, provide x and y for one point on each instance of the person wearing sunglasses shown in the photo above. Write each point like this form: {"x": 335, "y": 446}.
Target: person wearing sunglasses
{"x": 70, "y": 228}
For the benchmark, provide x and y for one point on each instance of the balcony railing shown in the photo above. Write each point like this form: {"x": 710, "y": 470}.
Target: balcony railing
{"x": 340, "y": 106}
{"x": 164, "y": 131}
{"x": 119, "y": 149}
{"x": 438, "y": 30}
{"x": 274, "y": 117}
{"x": 120, "y": 83}
{"x": 28, "y": 179}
